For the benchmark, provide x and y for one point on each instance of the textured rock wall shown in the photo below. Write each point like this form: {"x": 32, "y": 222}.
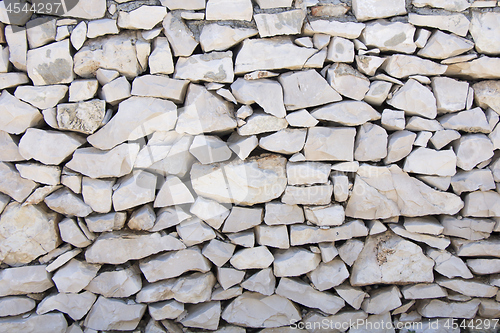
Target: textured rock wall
{"x": 237, "y": 165}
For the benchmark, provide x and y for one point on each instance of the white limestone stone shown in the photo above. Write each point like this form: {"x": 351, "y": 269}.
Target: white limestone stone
{"x": 75, "y": 305}
{"x": 252, "y": 258}
{"x": 389, "y": 36}
{"x": 165, "y": 310}
{"x": 209, "y": 211}
{"x": 204, "y": 112}
{"x": 486, "y": 94}
{"x": 331, "y": 215}
{"x": 484, "y": 266}
{"x": 72, "y": 234}
{"x": 443, "y": 137}
{"x": 370, "y": 9}
{"x": 118, "y": 283}
{"x": 83, "y": 117}
{"x": 267, "y": 93}
{"x": 183, "y": 4}
{"x": 371, "y": 143}
{"x": 348, "y": 113}
{"x": 273, "y": 236}
{"x": 455, "y": 23}
{"x": 217, "y": 37}
{"x": 50, "y": 64}
{"x": 53, "y": 322}
{"x": 448, "y": 265}
{"x": 468, "y": 287}
{"x": 294, "y": 262}
{"x": 101, "y": 27}
{"x": 340, "y": 50}
{"x": 305, "y": 89}
{"x": 121, "y": 246}
{"x": 282, "y": 23}
{"x": 194, "y": 231}
{"x": 402, "y": 66}
{"x": 173, "y": 264}
{"x": 378, "y": 92}
{"x": 66, "y": 202}
{"x": 173, "y": 192}
{"x": 286, "y": 141}
{"x": 96, "y": 163}
{"x": 229, "y": 10}
{"x": 481, "y": 204}
{"x": 466, "y": 248}
{"x": 471, "y": 121}
{"x": 354, "y": 296}
{"x": 278, "y": 213}
{"x": 389, "y": 259}
{"x": 415, "y": 99}
{"x": 144, "y": 17}
{"x": 393, "y": 120}
{"x": 111, "y": 314}
{"x": 431, "y": 162}
{"x": 242, "y": 218}
{"x": 259, "y": 179}
{"x": 257, "y": 310}
{"x": 347, "y": 81}
{"x": 17, "y": 116}
{"x": 382, "y": 300}
{"x": 262, "y": 282}
{"x": 469, "y": 181}
{"x": 18, "y": 46}
{"x": 423, "y": 225}
{"x": 432, "y": 241}
{"x": 302, "y": 293}
{"x": 42, "y": 97}
{"x": 15, "y": 305}
{"x": 350, "y": 250}
{"x": 228, "y": 277}
{"x": 218, "y": 252}
{"x": 472, "y": 149}
{"x": 271, "y": 53}
{"x": 481, "y": 68}
{"x": 311, "y": 195}
{"x": 441, "y": 46}
{"x": 450, "y": 94}
{"x": 81, "y": 90}
{"x": 261, "y": 122}
{"x": 329, "y": 275}
{"x": 209, "y": 67}
{"x": 304, "y": 234}
{"x": 333, "y": 144}
{"x": 204, "y": 316}
{"x": 74, "y": 276}
{"x": 481, "y": 27}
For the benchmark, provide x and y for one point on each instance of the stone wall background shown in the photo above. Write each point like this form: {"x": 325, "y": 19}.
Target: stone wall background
{"x": 267, "y": 165}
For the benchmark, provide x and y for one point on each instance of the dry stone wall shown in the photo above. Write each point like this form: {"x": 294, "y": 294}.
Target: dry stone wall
{"x": 267, "y": 166}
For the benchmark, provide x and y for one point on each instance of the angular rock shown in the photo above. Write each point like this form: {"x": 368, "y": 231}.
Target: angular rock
{"x": 121, "y": 246}
{"x": 218, "y": 252}
{"x": 389, "y": 259}
{"x": 209, "y": 149}
{"x": 481, "y": 28}
{"x": 294, "y": 262}
{"x": 97, "y": 194}
{"x": 311, "y": 195}
{"x": 340, "y": 50}
{"x": 382, "y": 300}
{"x": 193, "y": 288}
{"x": 423, "y": 225}
{"x": 217, "y": 37}
{"x": 389, "y": 36}
{"x": 481, "y": 68}
{"x": 260, "y": 179}
{"x": 81, "y": 90}
{"x": 442, "y": 46}
{"x": 119, "y": 283}
{"x": 472, "y": 121}
{"x": 349, "y": 30}
{"x": 267, "y": 93}
{"x": 286, "y": 141}
{"x": 456, "y": 6}
{"x": 12, "y": 184}
{"x": 472, "y": 149}
{"x": 371, "y": 143}
{"x": 271, "y": 53}
{"x": 369, "y": 195}
{"x": 52, "y": 322}
{"x": 277, "y": 213}
{"x": 24, "y": 280}
{"x": 273, "y": 236}
{"x": 209, "y": 67}
{"x": 114, "y": 314}
{"x": 229, "y": 10}
{"x": 325, "y": 143}
{"x": 204, "y": 316}
{"x": 433, "y": 241}
{"x": 66, "y": 202}
{"x": 82, "y": 117}
{"x": 415, "y": 99}
{"x": 160, "y": 60}
{"x": 393, "y": 120}
{"x": 402, "y": 66}
{"x": 468, "y": 287}
{"x": 173, "y": 264}
{"x": 16, "y": 116}
{"x": 96, "y": 163}
{"x": 370, "y": 9}
{"x": 329, "y": 275}
{"x": 173, "y": 192}
{"x": 204, "y": 112}
{"x": 257, "y": 310}
{"x": 50, "y": 64}
{"x": 102, "y": 27}
{"x": 449, "y": 265}
{"x": 75, "y": 305}
{"x": 431, "y": 162}
{"x": 305, "y": 89}
{"x": 74, "y": 276}
{"x": 451, "y": 95}
{"x": 487, "y": 248}
{"x": 252, "y": 258}
{"x": 303, "y": 234}
{"x": 348, "y": 113}
{"x": 181, "y": 38}
{"x": 144, "y": 17}
{"x": 115, "y": 52}
{"x": 481, "y": 204}
{"x": 27, "y": 232}
{"x": 484, "y": 266}
{"x": 486, "y": 94}
{"x": 283, "y": 23}
{"x": 72, "y": 234}
{"x": 165, "y": 310}
{"x": 300, "y": 292}
{"x": 456, "y": 23}
{"x": 242, "y": 218}
{"x": 347, "y": 81}
{"x": 42, "y": 97}
{"x": 15, "y": 305}
{"x": 469, "y": 181}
